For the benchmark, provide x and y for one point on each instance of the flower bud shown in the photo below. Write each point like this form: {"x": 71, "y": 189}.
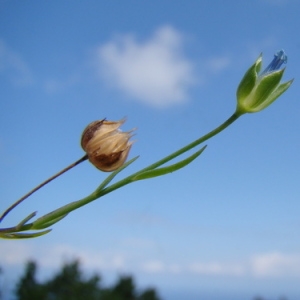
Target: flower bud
{"x": 257, "y": 91}
{"x": 107, "y": 147}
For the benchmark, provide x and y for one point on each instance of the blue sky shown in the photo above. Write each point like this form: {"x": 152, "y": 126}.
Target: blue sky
{"x": 228, "y": 223}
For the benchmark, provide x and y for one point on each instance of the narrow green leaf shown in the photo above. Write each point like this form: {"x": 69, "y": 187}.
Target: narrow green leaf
{"x": 113, "y": 174}
{"x": 17, "y": 235}
{"x": 56, "y": 215}
{"x": 165, "y": 170}
{"x": 23, "y": 222}
{"x": 42, "y": 225}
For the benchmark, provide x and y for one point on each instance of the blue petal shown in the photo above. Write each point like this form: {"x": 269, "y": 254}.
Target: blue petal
{"x": 279, "y": 58}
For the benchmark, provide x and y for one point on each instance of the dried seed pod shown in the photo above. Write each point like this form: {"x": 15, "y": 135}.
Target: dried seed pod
{"x": 106, "y": 145}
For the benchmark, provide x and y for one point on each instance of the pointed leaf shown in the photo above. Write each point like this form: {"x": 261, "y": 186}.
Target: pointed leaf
{"x": 23, "y": 222}
{"x": 17, "y": 235}
{"x": 168, "y": 169}
{"x": 113, "y": 174}
{"x": 42, "y": 225}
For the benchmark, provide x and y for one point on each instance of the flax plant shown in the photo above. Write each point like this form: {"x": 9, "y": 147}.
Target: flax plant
{"x": 107, "y": 148}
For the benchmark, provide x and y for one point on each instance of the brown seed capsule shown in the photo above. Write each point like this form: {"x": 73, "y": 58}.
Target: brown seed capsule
{"x": 106, "y": 145}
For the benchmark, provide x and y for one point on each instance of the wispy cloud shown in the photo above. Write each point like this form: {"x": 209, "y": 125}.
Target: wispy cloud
{"x": 216, "y": 268}
{"x": 155, "y": 71}
{"x": 156, "y": 266}
{"x": 276, "y": 264}
{"x": 52, "y": 257}
{"x": 55, "y": 85}
{"x": 153, "y": 266}
{"x": 13, "y": 66}
{"x": 268, "y": 265}
{"x": 266, "y": 44}
{"x": 218, "y": 64}
{"x": 15, "y": 254}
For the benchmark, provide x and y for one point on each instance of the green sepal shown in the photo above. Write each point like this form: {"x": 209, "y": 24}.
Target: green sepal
{"x": 249, "y": 80}
{"x": 275, "y": 94}
{"x": 265, "y": 88}
{"x": 169, "y": 169}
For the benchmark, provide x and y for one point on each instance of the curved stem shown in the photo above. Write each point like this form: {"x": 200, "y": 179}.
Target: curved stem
{"x": 41, "y": 185}
{"x": 195, "y": 143}
{"x": 15, "y": 229}
{"x": 101, "y": 192}
{"x": 184, "y": 149}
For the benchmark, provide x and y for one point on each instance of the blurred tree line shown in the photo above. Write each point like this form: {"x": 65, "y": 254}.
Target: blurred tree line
{"x": 69, "y": 283}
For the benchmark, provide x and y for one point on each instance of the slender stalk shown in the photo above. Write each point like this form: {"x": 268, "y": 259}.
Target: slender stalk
{"x": 15, "y": 229}
{"x": 101, "y": 192}
{"x": 41, "y": 185}
{"x": 184, "y": 149}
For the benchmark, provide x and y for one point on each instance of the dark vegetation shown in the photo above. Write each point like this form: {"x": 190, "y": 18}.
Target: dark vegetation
{"x": 69, "y": 283}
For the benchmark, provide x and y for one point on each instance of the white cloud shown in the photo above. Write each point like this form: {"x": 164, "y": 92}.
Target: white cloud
{"x": 218, "y": 64}
{"x": 276, "y": 264}
{"x": 153, "y": 267}
{"x": 216, "y": 268}
{"x": 54, "y": 85}
{"x": 14, "y": 252}
{"x": 14, "y": 67}
{"x": 254, "y": 49}
{"x": 156, "y": 266}
{"x": 102, "y": 261}
{"x": 269, "y": 265}
{"x": 154, "y": 72}
{"x": 18, "y": 252}
{"x": 138, "y": 243}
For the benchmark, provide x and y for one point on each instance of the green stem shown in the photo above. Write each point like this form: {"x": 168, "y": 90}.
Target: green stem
{"x": 99, "y": 193}
{"x": 184, "y": 149}
{"x": 15, "y": 229}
